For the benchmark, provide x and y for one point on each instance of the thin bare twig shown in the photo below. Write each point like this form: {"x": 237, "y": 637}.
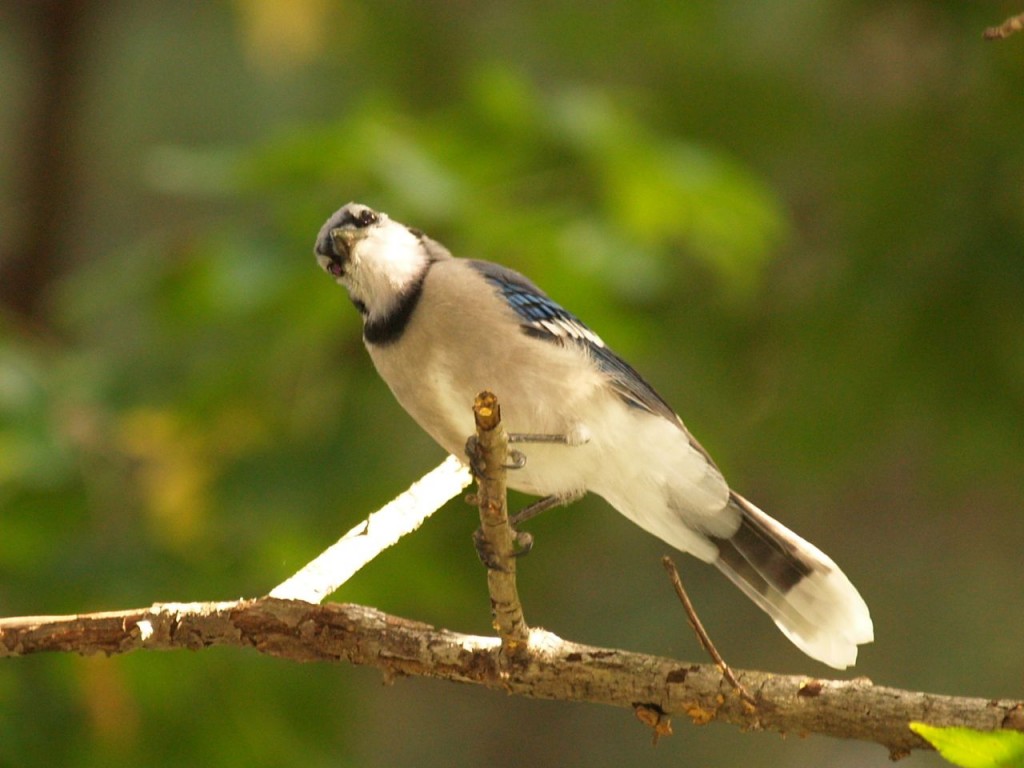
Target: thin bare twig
{"x": 702, "y": 635}
{"x": 1007, "y": 28}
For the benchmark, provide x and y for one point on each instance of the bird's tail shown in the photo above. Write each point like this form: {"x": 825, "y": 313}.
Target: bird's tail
{"x": 797, "y": 584}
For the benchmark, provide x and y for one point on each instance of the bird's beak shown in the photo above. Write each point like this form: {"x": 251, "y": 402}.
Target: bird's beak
{"x": 342, "y": 240}
{"x": 344, "y": 237}
{"x": 335, "y": 250}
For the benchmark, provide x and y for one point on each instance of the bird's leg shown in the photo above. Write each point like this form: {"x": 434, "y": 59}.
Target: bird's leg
{"x": 530, "y": 511}
{"x": 517, "y": 459}
{"x": 523, "y": 539}
{"x": 526, "y": 437}
{"x": 578, "y": 435}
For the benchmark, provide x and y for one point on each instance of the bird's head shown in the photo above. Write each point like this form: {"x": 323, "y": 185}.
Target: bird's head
{"x": 378, "y": 260}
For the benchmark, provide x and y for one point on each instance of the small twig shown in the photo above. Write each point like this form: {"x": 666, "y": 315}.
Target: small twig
{"x": 702, "y": 635}
{"x": 1007, "y": 28}
{"x": 380, "y": 530}
{"x": 492, "y": 447}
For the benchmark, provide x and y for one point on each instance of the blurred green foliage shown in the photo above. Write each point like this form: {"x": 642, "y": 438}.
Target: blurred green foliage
{"x": 803, "y": 222}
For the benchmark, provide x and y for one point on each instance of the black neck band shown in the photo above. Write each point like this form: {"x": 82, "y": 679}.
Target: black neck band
{"x": 389, "y": 328}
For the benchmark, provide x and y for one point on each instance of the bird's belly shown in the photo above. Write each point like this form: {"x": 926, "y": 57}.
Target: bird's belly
{"x": 534, "y": 399}
{"x": 637, "y": 460}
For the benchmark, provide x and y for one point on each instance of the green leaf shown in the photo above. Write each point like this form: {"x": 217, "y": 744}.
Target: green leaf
{"x": 975, "y": 749}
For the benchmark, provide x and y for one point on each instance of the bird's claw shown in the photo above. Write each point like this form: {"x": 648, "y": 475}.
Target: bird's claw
{"x": 517, "y": 460}
{"x": 522, "y": 541}
{"x": 477, "y": 465}
{"x": 485, "y": 551}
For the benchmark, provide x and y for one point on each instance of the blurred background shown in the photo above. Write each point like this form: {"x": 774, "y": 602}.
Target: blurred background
{"x": 802, "y": 221}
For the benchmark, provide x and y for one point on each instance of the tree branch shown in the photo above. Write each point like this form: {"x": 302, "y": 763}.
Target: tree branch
{"x": 551, "y": 669}
{"x": 520, "y": 661}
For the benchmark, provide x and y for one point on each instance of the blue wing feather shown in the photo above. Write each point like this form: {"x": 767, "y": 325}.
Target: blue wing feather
{"x": 544, "y": 319}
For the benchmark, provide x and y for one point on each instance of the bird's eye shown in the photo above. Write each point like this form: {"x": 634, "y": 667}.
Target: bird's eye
{"x": 365, "y": 218}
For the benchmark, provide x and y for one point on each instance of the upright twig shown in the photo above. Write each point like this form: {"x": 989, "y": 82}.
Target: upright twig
{"x": 490, "y": 461}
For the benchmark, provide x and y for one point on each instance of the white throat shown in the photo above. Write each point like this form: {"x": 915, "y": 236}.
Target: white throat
{"x": 384, "y": 264}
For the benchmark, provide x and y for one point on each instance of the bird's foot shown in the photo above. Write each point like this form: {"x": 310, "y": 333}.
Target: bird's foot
{"x": 477, "y": 464}
{"x": 517, "y": 459}
{"x": 522, "y": 541}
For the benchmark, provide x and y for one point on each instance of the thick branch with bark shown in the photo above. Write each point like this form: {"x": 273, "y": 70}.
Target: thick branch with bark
{"x": 551, "y": 668}
{"x": 520, "y": 661}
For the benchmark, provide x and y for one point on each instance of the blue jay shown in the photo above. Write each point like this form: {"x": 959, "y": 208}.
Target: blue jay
{"x": 441, "y": 329}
